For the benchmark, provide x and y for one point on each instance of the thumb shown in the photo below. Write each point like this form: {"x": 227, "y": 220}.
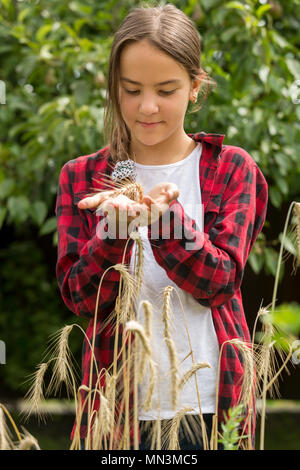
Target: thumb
{"x": 148, "y": 200}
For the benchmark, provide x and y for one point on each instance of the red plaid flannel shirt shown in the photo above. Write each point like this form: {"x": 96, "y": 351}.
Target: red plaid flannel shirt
{"x": 234, "y": 198}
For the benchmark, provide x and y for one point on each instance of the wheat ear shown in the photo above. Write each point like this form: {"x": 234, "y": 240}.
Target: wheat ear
{"x": 173, "y": 439}
{"x": 5, "y": 440}
{"x": 62, "y": 369}
{"x": 138, "y": 329}
{"x": 203, "y": 426}
{"x": 189, "y": 374}
{"x": 28, "y": 442}
{"x": 148, "y": 318}
{"x": 297, "y": 229}
{"x": 35, "y": 394}
{"x": 174, "y": 363}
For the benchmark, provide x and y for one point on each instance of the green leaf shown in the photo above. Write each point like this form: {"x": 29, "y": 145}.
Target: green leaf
{"x": 275, "y": 196}
{"x": 43, "y": 31}
{"x": 235, "y": 5}
{"x": 262, "y": 10}
{"x": 49, "y": 226}
{"x": 38, "y": 212}
{"x": 229, "y": 33}
{"x": 294, "y": 67}
{"x": 6, "y": 187}
{"x": 288, "y": 244}
{"x": 23, "y": 14}
{"x": 280, "y": 40}
{"x": 80, "y": 8}
{"x": 18, "y": 207}
{"x": 271, "y": 257}
{"x": 256, "y": 261}
{"x": 6, "y": 3}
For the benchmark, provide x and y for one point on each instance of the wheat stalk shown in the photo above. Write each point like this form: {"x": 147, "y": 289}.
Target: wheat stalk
{"x": 248, "y": 383}
{"x": 5, "y": 439}
{"x": 5, "y": 442}
{"x": 62, "y": 369}
{"x": 249, "y": 368}
{"x": 190, "y": 373}
{"x": 126, "y": 187}
{"x": 137, "y": 328}
{"x": 203, "y": 426}
{"x": 297, "y": 230}
{"x": 138, "y": 262}
{"x": 173, "y": 439}
{"x": 35, "y": 394}
{"x": 174, "y": 364}
{"x": 148, "y": 317}
{"x": 28, "y": 442}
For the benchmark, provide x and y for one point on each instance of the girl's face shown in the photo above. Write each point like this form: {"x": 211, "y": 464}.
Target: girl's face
{"x": 155, "y": 89}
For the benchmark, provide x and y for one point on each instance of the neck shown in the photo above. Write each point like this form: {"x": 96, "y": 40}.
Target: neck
{"x": 163, "y": 156}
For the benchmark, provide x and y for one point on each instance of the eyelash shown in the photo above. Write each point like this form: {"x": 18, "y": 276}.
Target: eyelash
{"x": 130, "y": 92}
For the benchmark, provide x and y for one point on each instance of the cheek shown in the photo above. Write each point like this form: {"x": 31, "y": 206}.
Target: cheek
{"x": 175, "y": 109}
{"x": 128, "y": 107}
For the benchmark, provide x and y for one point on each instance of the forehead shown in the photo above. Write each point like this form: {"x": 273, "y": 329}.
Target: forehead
{"x": 145, "y": 64}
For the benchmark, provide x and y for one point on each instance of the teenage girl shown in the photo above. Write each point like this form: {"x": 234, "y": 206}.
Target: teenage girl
{"x": 214, "y": 193}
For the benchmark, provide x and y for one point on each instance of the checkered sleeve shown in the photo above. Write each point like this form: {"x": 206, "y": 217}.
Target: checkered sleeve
{"x": 83, "y": 257}
{"x": 210, "y": 265}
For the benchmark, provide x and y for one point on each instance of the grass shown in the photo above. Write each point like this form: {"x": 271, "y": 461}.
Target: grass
{"x": 282, "y": 427}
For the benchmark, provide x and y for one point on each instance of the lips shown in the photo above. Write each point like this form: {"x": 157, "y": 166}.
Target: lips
{"x": 149, "y": 124}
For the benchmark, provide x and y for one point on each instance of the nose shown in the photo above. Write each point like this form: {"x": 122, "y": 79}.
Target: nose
{"x": 148, "y": 104}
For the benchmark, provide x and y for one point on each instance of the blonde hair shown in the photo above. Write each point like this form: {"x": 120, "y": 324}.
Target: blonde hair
{"x": 168, "y": 29}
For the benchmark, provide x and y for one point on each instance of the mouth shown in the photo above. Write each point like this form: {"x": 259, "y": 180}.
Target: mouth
{"x": 149, "y": 124}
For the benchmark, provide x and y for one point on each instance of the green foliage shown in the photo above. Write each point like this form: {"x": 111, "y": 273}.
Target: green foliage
{"x": 54, "y": 58}
{"x": 31, "y": 311}
{"x": 286, "y": 320}
{"x": 230, "y": 428}
{"x": 287, "y": 317}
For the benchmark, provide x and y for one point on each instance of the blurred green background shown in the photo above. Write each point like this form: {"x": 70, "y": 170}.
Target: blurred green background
{"x": 53, "y": 68}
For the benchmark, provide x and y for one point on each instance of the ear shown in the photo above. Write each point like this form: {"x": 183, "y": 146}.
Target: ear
{"x": 195, "y": 87}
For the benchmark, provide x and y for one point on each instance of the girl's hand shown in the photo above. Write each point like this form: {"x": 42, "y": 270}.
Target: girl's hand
{"x": 92, "y": 202}
{"x": 157, "y": 202}
{"x": 121, "y": 209}
{"x": 118, "y": 210}
{"x": 162, "y": 193}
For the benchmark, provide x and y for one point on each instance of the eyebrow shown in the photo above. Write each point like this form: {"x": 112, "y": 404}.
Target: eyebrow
{"x": 124, "y": 79}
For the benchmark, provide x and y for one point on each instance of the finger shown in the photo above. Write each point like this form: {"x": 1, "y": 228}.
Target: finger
{"x": 91, "y": 202}
{"x": 148, "y": 200}
{"x": 173, "y": 194}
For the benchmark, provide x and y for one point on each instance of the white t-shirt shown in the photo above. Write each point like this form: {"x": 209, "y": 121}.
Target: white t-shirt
{"x": 185, "y": 174}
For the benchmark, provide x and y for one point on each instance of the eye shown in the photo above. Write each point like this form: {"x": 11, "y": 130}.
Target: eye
{"x": 168, "y": 92}
{"x": 132, "y": 92}
{"x": 135, "y": 92}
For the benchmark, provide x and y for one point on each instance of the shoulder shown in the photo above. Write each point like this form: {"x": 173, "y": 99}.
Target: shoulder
{"x": 81, "y": 175}
{"x": 90, "y": 162}
{"x": 81, "y": 172}
{"x": 236, "y": 156}
{"x": 239, "y": 164}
